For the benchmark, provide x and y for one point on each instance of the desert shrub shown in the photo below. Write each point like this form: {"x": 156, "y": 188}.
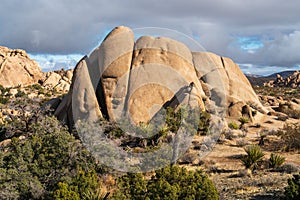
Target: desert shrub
{"x": 65, "y": 192}
{"x": 276, "y": 160}
{"x": 171, "y": 182}
{"x": 243, "y": 121}
{"x": 83, "y": 186}
{"x": 242, "y": 142}
{"x": 3, "y": 100}
{"x": 131, "y": 186}
{"x": 20, "y": 94}
{"x": 254, "y": 155}
{"x": 36, "y": 87}
{"x": 286, "y": 108}
{"x": 292, "y": 191}
{"x": 233, "y": 125}
{"x": 290, "y": 134}
{"x": 294, "y": 113}
{"x": 288, "y": 168}
{"x": 228, "y": 134}
{"x": 3, "y": 89}
{"x": 182, "y": 117}
{"x": 174, "y": 119}
{"x": 203, "y": 126}
{"x": 33, "y": 167}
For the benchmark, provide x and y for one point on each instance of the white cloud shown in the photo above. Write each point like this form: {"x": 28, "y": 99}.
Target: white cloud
{"x": 56, "y": 62}
{"x": 77, "y": 26}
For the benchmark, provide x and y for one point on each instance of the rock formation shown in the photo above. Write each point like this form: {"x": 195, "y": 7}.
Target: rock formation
{"x": 292, "y": 81}
{"x": 58, "y": 80}
{"x": 16, "y": 68}
{"x": 136, "y": 78}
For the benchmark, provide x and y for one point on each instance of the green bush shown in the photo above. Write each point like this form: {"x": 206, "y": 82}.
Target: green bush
{"x": 171, "y": 182}
{"x": 36, "y": 87}
{"x": 131, "y": 186}
{"x": 3, "y": 100}
{"x": 254, "y": 155}
{"x": 292, "y": 191}
{"x": 276, "y": 160}
{"x": 203, "y": 126}
{"x": 83, "y": 186}
{"x": 65, "y": 192}
{"x": 243, "y": 121}
{"x": 20, "y": 94}
{"x": 3, "y": 89}
{"x": 32, "y": 168}
{"x": 233, "y": 125}
{"x": 174, "y": 119}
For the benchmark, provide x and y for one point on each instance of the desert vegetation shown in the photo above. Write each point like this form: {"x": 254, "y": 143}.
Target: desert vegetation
{"x": 40, "y": 159}
{"x": 171, "y": 182}
{"x": 292, "y": 191}
{"x": 290, "y": 135}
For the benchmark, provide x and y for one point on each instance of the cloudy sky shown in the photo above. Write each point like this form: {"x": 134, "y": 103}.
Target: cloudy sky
{"x": 262, "y": 36}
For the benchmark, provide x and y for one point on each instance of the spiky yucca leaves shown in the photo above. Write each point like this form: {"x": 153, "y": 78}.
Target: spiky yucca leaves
{"x": 276, "y": 160}
{"x": 254, "y": 155}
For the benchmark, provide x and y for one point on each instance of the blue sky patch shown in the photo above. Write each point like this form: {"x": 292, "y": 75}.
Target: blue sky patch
{"x": 250, "y": 43}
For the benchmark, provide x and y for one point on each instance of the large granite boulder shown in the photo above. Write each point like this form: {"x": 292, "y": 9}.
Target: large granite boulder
{"x": 136, "y": 79}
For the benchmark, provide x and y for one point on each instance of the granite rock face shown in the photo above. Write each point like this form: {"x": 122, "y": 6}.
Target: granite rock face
{"x": 58, "y": 80}
{"x": 16, "y": 68}
{"x": 124, "y": 77}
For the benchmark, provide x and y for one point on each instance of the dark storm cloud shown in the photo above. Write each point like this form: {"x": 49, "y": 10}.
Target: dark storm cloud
{"x": 77, "y": 26}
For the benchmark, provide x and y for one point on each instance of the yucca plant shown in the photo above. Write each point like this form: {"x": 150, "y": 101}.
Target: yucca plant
{"x": 254, "y": 155}
{"x": 243, "y": 121}
{"x": 276, "y": 160}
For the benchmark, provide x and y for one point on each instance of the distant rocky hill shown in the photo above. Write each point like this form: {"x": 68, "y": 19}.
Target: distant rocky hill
{"x": 283, "y": 74}
{"x": 261, "y": 80}
{"x": 258, "y": 81}
{"x": 138, "y": 78}
{"x": 292, "y": 81}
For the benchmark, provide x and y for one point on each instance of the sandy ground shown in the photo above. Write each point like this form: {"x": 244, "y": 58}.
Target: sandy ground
{"x": 233, "y": 181}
